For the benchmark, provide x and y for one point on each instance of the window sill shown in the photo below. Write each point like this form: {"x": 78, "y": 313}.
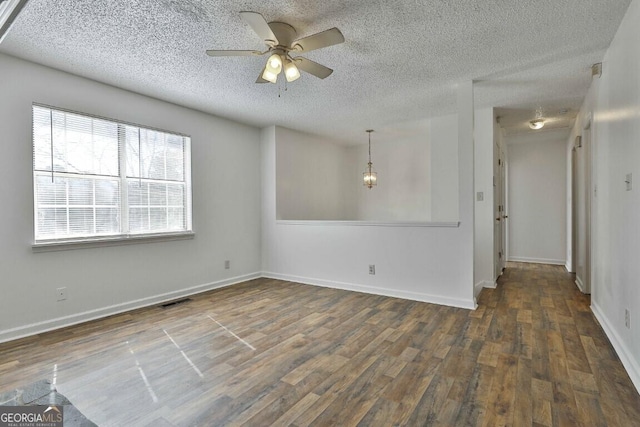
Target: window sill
{"x": 99, "y": 242}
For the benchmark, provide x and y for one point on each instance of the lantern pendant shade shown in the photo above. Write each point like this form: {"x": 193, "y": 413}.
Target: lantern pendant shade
{"x": 370, "y": 176}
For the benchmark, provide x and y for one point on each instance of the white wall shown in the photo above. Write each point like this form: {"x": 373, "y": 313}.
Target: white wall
{"x": 484, "y": 271}
{"x": 443, "y": 132}
{"x": 100, "y": 281}
{"x": 537, "y": 197}
{"x": 616, "y": 211}
{"x": 427, "y": 263}
{"x": 403, "y": 192}
{"x": 319, "y": 179}
{"x": 311, "y": 175}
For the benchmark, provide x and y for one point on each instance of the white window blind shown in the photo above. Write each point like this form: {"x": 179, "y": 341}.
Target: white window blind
{"x": 95, "y": 177}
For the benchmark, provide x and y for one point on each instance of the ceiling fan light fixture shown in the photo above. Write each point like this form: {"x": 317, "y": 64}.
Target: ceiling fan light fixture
{"x": 274, "y": 64}
{"x": 291, "y": 72}
{"x": 536, "y": 124}
{"x": 280, "y": 39}
{"x": 269, "y": 75}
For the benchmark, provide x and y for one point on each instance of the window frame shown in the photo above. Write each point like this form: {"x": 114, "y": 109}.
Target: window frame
{"x": 123, "y": 237}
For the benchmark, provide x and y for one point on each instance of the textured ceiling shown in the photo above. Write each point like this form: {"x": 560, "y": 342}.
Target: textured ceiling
{"x": 400, "y": 63}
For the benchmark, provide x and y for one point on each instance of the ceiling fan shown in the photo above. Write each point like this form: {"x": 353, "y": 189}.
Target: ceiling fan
{"x": 281, "y": 41}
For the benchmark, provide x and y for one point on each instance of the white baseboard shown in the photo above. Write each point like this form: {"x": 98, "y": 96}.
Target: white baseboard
{"x": 490, "y": 285}
{"x": 568, "y": 266}
{"x": 414, "y": 296}
{"x": 537, "y": 260}
{"x": 579, "y": 284}
{"x": 74, "y": 319}
{"x": 483, "y": 284}
{"x": 625, "y": 355}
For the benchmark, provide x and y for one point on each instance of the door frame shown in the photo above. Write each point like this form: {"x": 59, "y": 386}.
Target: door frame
{"x": 582, "y": 204}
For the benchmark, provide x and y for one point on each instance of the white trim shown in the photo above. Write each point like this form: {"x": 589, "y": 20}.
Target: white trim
{"x": 568, "y": 266}
{"x": 74, "y": 319}
{"x": 483, "y": 284}
{"x": 98, "y": 242}
{"x": 370, "y": 223}
{"x": 579, "y": 284}
{"x": 537, "y": 260}
{"x": 477, "y": 288}
{"x": 414, "y": 296}
{"x": 490, "y": 285}
{"x": 625, "y": 355}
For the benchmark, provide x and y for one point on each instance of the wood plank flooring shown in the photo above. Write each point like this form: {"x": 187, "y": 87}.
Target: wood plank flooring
{"x": 268, "y": 352}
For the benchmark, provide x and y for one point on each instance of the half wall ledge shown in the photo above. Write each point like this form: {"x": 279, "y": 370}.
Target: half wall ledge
{"x": 368, "y": 223}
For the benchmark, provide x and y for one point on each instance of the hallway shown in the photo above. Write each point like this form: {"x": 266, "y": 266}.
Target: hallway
{"x": 565, "y": 370}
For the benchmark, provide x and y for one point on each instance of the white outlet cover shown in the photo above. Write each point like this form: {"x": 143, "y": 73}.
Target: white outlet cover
{"x": 629, "y": 181}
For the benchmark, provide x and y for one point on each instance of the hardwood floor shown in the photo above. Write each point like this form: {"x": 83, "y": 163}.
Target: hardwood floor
{"x": 268, "y": 352}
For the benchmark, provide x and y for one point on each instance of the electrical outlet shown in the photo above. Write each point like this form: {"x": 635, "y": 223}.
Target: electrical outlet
{"x": 61, "y": 294}
{"x": 372, "y": 269}
{"x": 627, "y": 318}
{"x": 227, "y": 264}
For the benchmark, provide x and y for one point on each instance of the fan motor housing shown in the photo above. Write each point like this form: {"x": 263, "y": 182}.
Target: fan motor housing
{"x": 285, "y": 33}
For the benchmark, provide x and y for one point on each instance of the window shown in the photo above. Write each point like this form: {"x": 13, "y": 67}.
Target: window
{"x": 96, "y": 178}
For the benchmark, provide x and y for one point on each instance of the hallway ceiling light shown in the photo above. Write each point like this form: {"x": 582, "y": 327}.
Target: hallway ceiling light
{"x": 536, "y": 124}
{"x": 370, "y": 177}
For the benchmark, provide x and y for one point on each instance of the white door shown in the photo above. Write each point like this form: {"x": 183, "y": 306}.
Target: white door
{"x": 583, "y": 217}
{"x": 499, "y": 225}
{"x": 505, "y": 216}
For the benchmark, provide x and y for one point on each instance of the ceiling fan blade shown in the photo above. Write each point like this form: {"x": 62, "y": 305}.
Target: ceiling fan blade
{"x": 319, "y": 40}
{"x": 311, "y": 67}
{"x": 234, "y": 52}
{"x": 260, "y": 26}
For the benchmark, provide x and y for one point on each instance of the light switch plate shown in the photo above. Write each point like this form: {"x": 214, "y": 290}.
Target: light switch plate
{"x": 480, "y": 196}
{"x": 629, "y": 181}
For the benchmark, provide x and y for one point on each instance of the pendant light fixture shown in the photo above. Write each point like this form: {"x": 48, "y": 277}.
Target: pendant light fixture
{"x": 370, "y": 177}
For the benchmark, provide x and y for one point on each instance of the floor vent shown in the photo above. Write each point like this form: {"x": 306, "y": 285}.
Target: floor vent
{"x": 174, "y": 303}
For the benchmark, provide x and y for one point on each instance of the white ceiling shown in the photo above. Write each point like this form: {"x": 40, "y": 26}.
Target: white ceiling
{"x": 400, "y": 63}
